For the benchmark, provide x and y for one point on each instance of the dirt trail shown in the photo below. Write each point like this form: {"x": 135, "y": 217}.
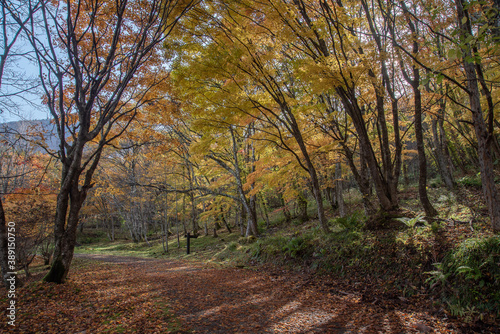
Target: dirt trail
{"x": 227, "y": 300}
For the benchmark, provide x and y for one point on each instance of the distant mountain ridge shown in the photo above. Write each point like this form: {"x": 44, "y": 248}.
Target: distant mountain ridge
{"x": 33, "y": 129}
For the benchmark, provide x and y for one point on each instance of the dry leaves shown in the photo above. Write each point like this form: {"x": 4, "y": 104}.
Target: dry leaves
{"x": 132, "y": 295}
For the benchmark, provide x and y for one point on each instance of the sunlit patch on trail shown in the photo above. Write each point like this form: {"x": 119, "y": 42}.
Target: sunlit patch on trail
{"x": 304, "y": 320}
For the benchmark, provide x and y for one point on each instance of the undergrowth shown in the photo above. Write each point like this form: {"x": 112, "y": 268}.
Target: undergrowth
{"x": 468, "y": 278}
{"x": 466, "y": 281}
{"x": 455, "y": 264}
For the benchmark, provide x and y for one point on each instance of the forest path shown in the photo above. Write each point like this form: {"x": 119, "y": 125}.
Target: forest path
{"x": 230, "y": 300}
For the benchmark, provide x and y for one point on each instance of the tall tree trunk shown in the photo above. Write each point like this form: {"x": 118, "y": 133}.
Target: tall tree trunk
{"x": 485, "y": 160}
{"x": 339, "y": 189}
{"x": 362, "y": 179}
{"x": 417, "y": 101}
{"x": 441, "y": 154}
{"x": 194, "y": 222}
{"x": 223, "y": 219}
{"x": 251, "y": 216}
{"x": 264, "y": 211}
{"x": 330, "y": 196}
{"x": 391, "y": 170}
{"x": 387, "y": 200}
{"x": 178, "y": 234}
{"x": 311, "y": 169}
{"x": 194, "y": 219}
{"x": 286, "y": 211}
{"x": 112, "y": 228}
{"x": 184, "y": 214}
{"x": 240, "y": 218}
{"x": 405, "y": 175}
{"x": 165, "y": 225}
{"x": 430, "y": 211}
{"x": 302, "y": 206}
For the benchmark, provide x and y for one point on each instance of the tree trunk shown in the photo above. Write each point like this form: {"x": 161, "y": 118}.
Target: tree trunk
{"x": 422, "y": 161}
{"x": 264, "y": 211}
{"x": 286, "y": 211}
{"x": 349, "y": 98}
{"x": 184, "y": 214}
{"x": 406, "y": 178}
{"x": 330, "y": 196}
{"x": 391, "y": 169}
{"x": 485, "y": 161}
{"x": 248, "y": 203}
{"x": 223, "y": 219}
{"x": 440, "y": 153}
{"x": 302, "y": 206}
{"x": 194, "y": 220}
{"x": 417, "y": 101}
{"x": 251, "y": 215}
{"x": 65, "y": 234}
{"x": 310, "y": 168}
{"x": 165, "y": 236}
{"x": 26, "y": 268}
{"x": 361, "y": 177}
{"x": 242, "y": 217}
{"x": 387, "y": 200}
{"x": 178, "y": 234}
{"x": 113, "y": 228}
{"x": 339, "y": 189}
{"x": 165, "y": 225}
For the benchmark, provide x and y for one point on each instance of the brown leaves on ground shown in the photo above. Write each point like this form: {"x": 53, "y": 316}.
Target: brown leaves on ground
{"x": 130, "y": 295}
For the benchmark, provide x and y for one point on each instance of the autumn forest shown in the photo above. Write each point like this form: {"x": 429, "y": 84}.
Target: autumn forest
{"x": 326, "y": 144}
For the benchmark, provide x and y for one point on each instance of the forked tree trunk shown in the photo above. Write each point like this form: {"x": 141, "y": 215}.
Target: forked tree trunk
{"x": 386, "y": 198}
{"x": 65, "y": 234}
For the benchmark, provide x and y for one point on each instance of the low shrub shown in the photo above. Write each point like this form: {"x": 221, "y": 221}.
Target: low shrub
{"x": 281, "y": 248}
{"x": 298, "y": 246}
{"x": 470, "y": 181}
{"x": 353, "y": 222}
{"x": 232, "y": 246}
{"x": 469, "y": 278}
